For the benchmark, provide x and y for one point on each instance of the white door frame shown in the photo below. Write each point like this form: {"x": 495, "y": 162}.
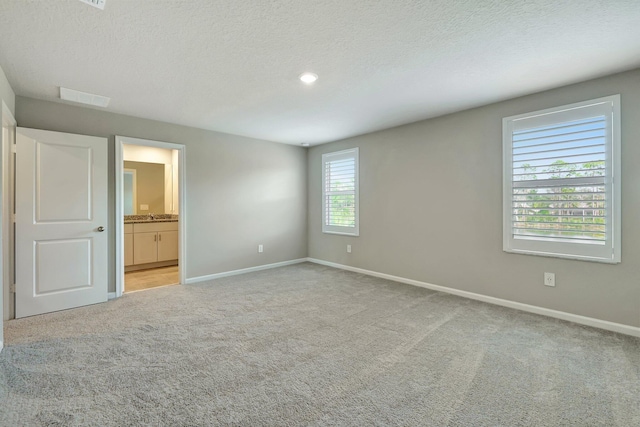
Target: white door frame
{"x": 6, "y": 214}
{"x": 119, "y": 217}
{"x": 7, "y": 308}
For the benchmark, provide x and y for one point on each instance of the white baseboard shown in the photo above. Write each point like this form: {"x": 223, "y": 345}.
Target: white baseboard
{"x": 583, "y": 320}
{"x": 111, "y": 295}
{"x": 191, "y": 280}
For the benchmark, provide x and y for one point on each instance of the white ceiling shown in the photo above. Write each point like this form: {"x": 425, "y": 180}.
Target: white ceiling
{"x": 232, "y": 66}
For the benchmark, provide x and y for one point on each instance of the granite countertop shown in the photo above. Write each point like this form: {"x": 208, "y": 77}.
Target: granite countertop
{"x": 139, "y": 219}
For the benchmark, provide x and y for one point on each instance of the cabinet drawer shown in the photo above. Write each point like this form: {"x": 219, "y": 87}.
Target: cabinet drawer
{"x": 128, "y": 228}
{"x": 155, "y": 226}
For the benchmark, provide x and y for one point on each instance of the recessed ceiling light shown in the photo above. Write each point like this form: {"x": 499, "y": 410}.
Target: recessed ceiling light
{"x": 308, "y": 78}
{"x": 305, "y": 144}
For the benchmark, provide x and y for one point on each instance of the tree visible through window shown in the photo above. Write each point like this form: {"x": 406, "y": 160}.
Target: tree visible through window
{"x": 560, "y": 197}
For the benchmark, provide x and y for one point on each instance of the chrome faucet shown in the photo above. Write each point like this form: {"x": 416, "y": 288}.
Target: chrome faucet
{"x": 152, "y": 216}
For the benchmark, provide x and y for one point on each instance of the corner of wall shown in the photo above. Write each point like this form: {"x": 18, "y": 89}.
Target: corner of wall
{"x": 7, "y": 95}
{"x": 308, "y": 182}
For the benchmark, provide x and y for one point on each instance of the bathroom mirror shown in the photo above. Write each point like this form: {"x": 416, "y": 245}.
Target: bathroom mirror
{"x": 145, "y": 187}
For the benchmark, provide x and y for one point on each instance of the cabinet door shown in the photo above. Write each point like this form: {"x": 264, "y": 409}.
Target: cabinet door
{"x": 145, "y": 248}
{"x": 167, "y": 245}
{"x": 128, "y": 249}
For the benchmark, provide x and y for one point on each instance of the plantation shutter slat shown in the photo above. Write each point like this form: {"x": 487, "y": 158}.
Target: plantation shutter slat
{"x": 544, "y": 144}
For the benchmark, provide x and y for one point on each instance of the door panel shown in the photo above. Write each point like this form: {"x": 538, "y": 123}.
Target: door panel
{"x": 61, "y": 202}
{"x": 61, "y": 265}
{"x": 63, "y": 193}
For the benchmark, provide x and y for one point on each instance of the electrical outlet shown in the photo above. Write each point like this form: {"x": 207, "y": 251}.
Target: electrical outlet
{"x": 549, "y": 279}
{"x": 144, "y": 207}
{"x": 260, "y": 249}
{"x": 348, "y": 249}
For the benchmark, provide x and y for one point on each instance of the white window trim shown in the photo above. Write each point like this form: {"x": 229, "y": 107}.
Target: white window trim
{"x": 558, "y": 249}
{"x": 338, "y": 155}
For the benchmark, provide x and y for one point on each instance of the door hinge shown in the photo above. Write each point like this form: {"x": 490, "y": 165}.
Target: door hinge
{"x": 13, "y": 148}
{"x": 12, "y": 288}
{"x": 13, "y": 218}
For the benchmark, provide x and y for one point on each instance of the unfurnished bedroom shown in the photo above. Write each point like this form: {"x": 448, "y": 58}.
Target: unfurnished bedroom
{"x": 329, "y": 213}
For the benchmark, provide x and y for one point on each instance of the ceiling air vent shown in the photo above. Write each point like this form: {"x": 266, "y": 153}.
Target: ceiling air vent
{"x": 95, "y": 3}
{"x": 83, "y": 97}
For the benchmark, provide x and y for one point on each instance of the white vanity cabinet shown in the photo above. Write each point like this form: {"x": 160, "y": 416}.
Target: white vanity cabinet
{"x": 168, "y": 245}
{"x": 145, "y": 247}
{"x": 128, "y": 245}
{"x": 152, "y": 242}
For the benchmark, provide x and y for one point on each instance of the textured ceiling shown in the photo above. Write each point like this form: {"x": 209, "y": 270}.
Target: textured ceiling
{"x": 232, "y": 66}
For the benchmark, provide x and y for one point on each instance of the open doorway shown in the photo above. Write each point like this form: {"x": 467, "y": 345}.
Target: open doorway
{"x": 150, "y": 212}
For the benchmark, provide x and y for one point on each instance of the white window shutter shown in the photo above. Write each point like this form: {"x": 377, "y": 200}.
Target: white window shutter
{"x": 340, "y": 192}
{"x": 560, "y": 195}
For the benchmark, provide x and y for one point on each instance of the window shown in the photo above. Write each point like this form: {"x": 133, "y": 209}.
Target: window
{"x": 562, "y": 181}
{"x": 340, "y": 192}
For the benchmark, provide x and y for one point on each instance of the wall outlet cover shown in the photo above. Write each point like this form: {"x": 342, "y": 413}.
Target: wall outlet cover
{"x": 549, "y": 279}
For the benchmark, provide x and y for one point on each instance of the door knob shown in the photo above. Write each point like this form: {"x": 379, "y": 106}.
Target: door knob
{"x": 101, "y": 229}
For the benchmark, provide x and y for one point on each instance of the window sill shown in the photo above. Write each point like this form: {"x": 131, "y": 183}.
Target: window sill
{"x": 563, "y": 256}
{"x": 341, "y": 233}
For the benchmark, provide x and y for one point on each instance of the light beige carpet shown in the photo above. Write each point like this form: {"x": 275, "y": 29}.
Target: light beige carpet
{"x": 310, "y": 345}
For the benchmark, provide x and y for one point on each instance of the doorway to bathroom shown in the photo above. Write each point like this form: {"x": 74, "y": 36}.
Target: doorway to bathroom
{"x": 150, "y": 212}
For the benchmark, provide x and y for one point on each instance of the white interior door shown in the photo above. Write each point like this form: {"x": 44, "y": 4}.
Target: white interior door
{"x": 61, "y": 213}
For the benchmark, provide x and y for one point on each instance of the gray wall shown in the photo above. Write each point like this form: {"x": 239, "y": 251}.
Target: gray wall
{"x": 240, "y": 192}
{"x": 6, "y": 93}
{"x": 431, "y": 209}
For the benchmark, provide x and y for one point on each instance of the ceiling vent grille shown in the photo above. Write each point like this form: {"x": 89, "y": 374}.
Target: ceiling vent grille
{"x": 83, "y": 97}
{"x": 95, "y": 3}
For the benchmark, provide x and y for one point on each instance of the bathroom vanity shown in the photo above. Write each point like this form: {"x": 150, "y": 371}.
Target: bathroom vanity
{"x": 150, "y": 243}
